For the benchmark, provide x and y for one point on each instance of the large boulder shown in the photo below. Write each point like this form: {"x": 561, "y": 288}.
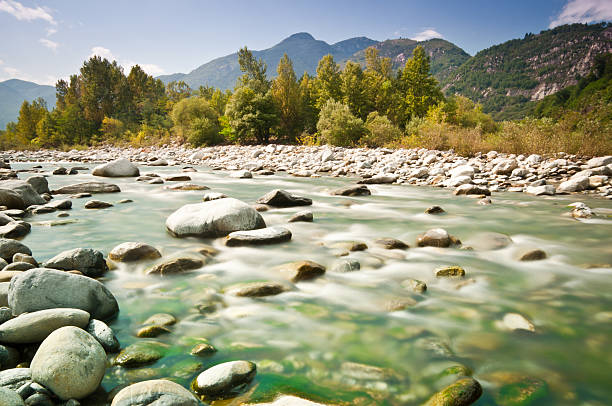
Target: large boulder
{"x": 39, "y": 183}
{"x": 282, "y": 198}
{"x": 86, "y": 260}
{"x": 10, "y": 398}
{"x": 41, "y": 288}
{"x": 462, "y": 170}
{"x": 133, "y": 251}
{"x": 104, "y": 334}
{"x": 352, "y": 190}
{"x": 599, "y": 161}
{"x": 116, "y": 169}
{"x": 215, "y": 218}
{"x": 9, "y": 247}
{"x": 224, "y": 380}
{"x": 158, "y": 392}
{"x": 505, "y": 167}
{"x": 24, "y": 190}
{"x": 87, "y": 187}
{"x": 15, "y": 229}
{"x": 70, "y": 363}
{"x": 11, "y": 199}
{"x": 574, "y": 185}
{"x": 15, "y": 378}
{"x": 36, "y": 326}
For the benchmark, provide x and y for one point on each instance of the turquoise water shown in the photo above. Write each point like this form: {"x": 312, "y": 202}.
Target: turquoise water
{"x": 304, "y": 340}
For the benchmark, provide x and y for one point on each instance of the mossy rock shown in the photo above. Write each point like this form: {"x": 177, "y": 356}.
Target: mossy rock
{"x": 152, "y": 331}
{"x": 140, "y": 353}
{"x": 524, "y": 392}
{"x": 464, "y": 392}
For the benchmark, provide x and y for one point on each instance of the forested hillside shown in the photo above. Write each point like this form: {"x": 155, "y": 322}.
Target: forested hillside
{"x": 14, "y": 91}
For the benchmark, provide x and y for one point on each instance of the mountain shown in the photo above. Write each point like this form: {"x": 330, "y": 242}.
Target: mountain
{"x": 302, "y": 48}
{"x": 506, "y": 77}
{"x": 445, "y": 56}
{"x": 14, "y": 91}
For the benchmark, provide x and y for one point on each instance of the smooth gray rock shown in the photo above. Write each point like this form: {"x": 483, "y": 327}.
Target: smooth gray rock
{"x": 24, "y": 190}
{"x": 39, "y": 183}
{"x": 9, "y": 247}
{"x": 86, "y": 260}
{"x": 9, "y": 356}
{"x": 468, "y": 189}
{"x": 505, "y": 167}
{"x": 224, "y": 380}
{"x": 4, "y": 219}
{"x": 540, "y": 190}
{"x": 269, "y": 235}
{"x": 36, "y": 326}
{"x": 282, "y": 198}
{"x": 60, "y": 204}
{"x": 41, "y": 288}
{"x": 70, "y": 363}
{"x": 302, "y": 216}
{"x": 158, "y": 392}
{"x": 346, "y": 265}
{"x": 599, "y": 161}
{"x": 104, "y": 334}
{"x": 18, "y": 266}
{"x": 15, "y": 229}
{"x": 15, "y": 378}
{"x": 19, "y": 257}
{"x": 215, "y": 218}
{"x": 115, "y": 169}
{"x": 133, "y": 251}
{"x": 353, "y": 190}
{"x": 10, "y": 398}
{"x": 436, "y": 237}
{"x": 11, "y": 199}
{"x": 87, "y": 187}
{"x": 4, "y": 288}
{"x": 379, "y": 179}
{"x": 574, "y": 185}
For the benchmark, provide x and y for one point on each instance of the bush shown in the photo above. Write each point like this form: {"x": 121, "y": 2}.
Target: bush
{"x": 338, "y": 126}
{"x": 381, "y": 131}
{"x": 204, "y": 131}
{"x": 194, "y": 119}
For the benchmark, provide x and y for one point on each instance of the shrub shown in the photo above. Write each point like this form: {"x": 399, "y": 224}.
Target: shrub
{"x": 204, "y": 131}
{"x": 338, "y": 126}
{"x": 380, "y": 132}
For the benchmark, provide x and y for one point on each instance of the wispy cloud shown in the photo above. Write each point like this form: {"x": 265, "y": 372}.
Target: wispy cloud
{"x": 102, "y": 52}
{"x": 24, "y": 13}
{"x": 49, "y": 44}
{"x": 8, "y": 72}
{"x": 583, "y": 11}
{"x": 51, "y": 31}
{"x": 151, "y": 69}
{"x": 426, "y": 34}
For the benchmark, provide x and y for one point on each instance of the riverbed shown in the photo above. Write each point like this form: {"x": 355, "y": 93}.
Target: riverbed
{"x": 342, "y": 338}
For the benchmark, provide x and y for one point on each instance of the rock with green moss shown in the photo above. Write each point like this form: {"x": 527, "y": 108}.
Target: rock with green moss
{"x": 140, "y": 353}
{"x": 519, "y": 390}
{"x": 450, "y": 271}
{"x": 464, "y": 392}
{"x": 152, "y": 331}
{"x": 203, "y": 350}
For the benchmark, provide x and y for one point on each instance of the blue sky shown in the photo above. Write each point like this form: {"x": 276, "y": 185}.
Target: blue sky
{"x": 46, "y": 40}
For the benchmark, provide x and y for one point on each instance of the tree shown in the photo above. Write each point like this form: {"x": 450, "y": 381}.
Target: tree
{"x": 353, "y": 89}
{"x": 251, "y": 115}
{"x": 177, "y": 91}
{"x": 380, "y": 131}
{"x": 419, "y": 88}
{"x": 254, "y": 75}
{"x": 380, "y": 86}
{"x": 338, "y": 126}
{"x": 104, "y": 90}
{"x": 328, "y": 81}
{"x": 308, "y": 100}
{"x": 286, "y": 95}
{"x": 29, "y": 116}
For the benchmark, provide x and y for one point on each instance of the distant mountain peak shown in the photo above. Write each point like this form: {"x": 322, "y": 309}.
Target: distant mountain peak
{"x": 300, "y": 36}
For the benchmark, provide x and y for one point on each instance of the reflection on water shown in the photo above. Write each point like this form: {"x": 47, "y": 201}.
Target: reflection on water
{"x": 334, "y": 339}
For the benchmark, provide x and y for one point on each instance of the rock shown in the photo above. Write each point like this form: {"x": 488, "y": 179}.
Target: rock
{"x": 87, "y": 187}
{"x": 203, "y": 350}
{"x": 464, "y": 392}
{"x": 505, "y": 167}
{"x": 435, "y": 210}
{"x": 357, "y": 190}
{"x": 301, "y": 270}
{"x": 186, "y": 186}
{"x": 519, "y": 390}
{"x": 379, "y": 179}
{"x": 159, "y": 392}
{"x": 224, "y": 380}
{"x": 241, "y": 175}
{"x": 257, "y": 289}
{"x": 462, "y": 170}
{"x": 415, "y": 285}
{"x": 458, "y": 181}
{"x": 178, "y": 178}
{"x": 60, "y": 171}
{"x": 302, "y": 216}
{"x": 599, "y": 161}
{"x": 515, "y": 321}
{"x": 269, "y": 235}
{"x": 281, "y": 198}
{"x": 15, "y": 378}
{"x": 133, "y": 251}
{"x": 327, "y": 155}
{"x": 140, "y": 353}
{"x": 41, "y": 288}
{"x": 574, "y": 185}
{"x": 489, "y": 241}
{"x": 4, "y": 219}
{"x": 152, "y": 331}
{"x": 11, "y": 199}
{"x": 8, "y": 248}
{"x": 216, "y": 218}
{"x": 97, "y": 204}
{"x": 4, "y": 287}
{"x": 15, "y": 229}
{"x": 39, "y": 184}
{"x": 86, "y": 260}
{"x": 533, "y": 255}
{"x": 346, "y": 265}
{"x": 7, "y": 276}
{"x": 285, "y": 400}
{"x": 471, "y": 190}
{"x": 213, "y": 196}
{"x": 399, "y": 304}
{"x": 436, "y": 237}
{"x": 10, "y": 398}
{"x": 115, "y": 169}
{"x": 350, "y": 246}
{"x": 24, "y": 190}
{"x": 70, "y": 363}
{"x": 540, "y": 190}
{"x": 36, "y": 326}
{"x": 161, "y": 319}
{"x": 19, "y": 257}
{"x": 392, "y": 243}
{"x": 176, "y": 266}
{"x": 124, "y": 201}
{"x": 103, "y": 334}
{"x": 61, "y": 204}
{"x": 158, "y": 162}
{"x": 449, "y": 271}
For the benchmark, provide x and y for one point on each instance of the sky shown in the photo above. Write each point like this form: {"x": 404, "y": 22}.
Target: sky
{"x": 43, "y": 41}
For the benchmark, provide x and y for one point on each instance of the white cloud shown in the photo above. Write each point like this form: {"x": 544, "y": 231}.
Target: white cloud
{"x": 12, "y": 71}
{"x": 583, "y": 11}
{"x": 102, "y": 52}
{"x": 51, "y": 31}
{"x": 21, "y": 12}
{"x": 151, "y": 69}
{"x": 49, "y": 44}
{"x": 426, "y": 34}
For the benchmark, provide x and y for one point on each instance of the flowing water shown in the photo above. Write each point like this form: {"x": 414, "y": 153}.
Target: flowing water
{"x": 307, "y": 341}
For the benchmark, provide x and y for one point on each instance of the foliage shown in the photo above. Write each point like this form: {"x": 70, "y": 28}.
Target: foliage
{"x": 251, "y": 116}
{"x": 338, "y": 126}
{"x": 286, "y": 95}
{"x": 196, "y": 120}
{"x": 380, "y": 131}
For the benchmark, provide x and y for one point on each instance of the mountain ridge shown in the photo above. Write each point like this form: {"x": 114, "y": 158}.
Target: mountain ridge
{"x": 13, "y": 92}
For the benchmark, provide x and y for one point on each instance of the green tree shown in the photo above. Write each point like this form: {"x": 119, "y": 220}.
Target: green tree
{"x": 104, "y": 90}
{"x": 251, "y": 115}
{"x": 177, "y": 91}
{"x": 328, "y": 82}
{"x": 285, "y": 92}
{"x": 254, "y": 72}
{"x": 380, "y": 86}
{"x": 29, "y": 116}
{"x": 338, "y": 126}
{"x": 354, "y": 91}
{"x": 308, "y": 104}
{"x": 380, "y": 131}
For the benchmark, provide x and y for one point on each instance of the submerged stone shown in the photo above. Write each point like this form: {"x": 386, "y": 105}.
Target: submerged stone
{"x": 269, "y": 235}
{"x": 282, "y": 198}
{"x": 464, "y": 392}
{"x": 224, "y": 380}
{"x": 450, "y": 271}
{"x": 140, "y": 353}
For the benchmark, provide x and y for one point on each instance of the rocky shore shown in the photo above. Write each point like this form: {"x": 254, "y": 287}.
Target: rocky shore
{"x": 484, "y": 173}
